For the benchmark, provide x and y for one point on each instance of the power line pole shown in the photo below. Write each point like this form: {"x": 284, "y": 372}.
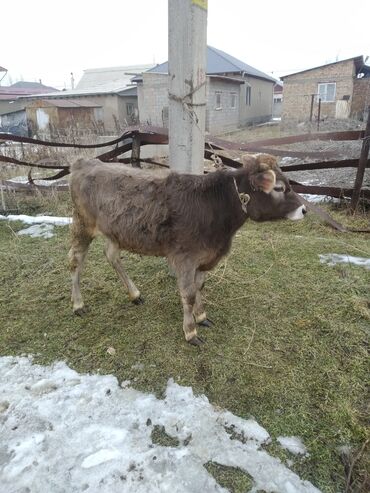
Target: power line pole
{"x": 187, "y": 58}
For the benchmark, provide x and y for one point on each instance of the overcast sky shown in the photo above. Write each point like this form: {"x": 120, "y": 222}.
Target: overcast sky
{"x": 47, "y": 40}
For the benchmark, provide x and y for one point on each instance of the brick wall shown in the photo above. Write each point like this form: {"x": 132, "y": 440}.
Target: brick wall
{"x": 298, "y": 89}
{"x": 361, "y": 98}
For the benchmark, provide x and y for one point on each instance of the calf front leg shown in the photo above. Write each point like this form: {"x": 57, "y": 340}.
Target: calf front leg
{"x": 112, "y": 252}
{"x": 199, "y": 311}
{"x": 188, "y": 293}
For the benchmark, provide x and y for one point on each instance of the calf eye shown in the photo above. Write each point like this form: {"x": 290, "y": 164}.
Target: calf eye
{"x": 279, "y": 188}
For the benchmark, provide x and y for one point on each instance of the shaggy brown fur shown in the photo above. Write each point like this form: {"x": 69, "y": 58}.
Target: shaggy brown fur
{"x": 188, "y": 219}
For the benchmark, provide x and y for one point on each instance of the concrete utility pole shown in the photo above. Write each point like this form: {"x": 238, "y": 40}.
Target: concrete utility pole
{"x": 187, "y": 58}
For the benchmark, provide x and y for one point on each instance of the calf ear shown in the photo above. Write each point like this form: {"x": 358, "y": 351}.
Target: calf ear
{"x": 264, "y": 181}
{"x": 268, "y": 159}
{"x": 248, "y": 160}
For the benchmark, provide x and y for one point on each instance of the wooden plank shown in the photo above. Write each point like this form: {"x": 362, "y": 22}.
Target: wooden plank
{"x": 361, "y": 166}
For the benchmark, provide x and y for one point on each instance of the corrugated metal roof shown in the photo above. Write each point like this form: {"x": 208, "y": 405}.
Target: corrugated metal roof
{"x": 15, "y": 91}
{"x": 121, "y": 90}
{"x": 103, "y": 81}
{"x": 32, "y": 86}
{"x": 112, "y": 77}
{"x": 70, "y": 103}
{"x": 219, "y": 62}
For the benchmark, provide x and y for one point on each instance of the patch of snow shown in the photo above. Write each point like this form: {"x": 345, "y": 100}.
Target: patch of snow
{"x": 336, "y": 258}
{"x": 319, "y": 198}
{"x": 249, "y": 428}
{"x": 47, "y": 183}
{"x": 63, "y": 431}
{"x": 287, "y": 160}
{"x": 41, "y": 226}
{"x": 38, "y": 231}
{"x": 100, "y": 457}
{"x": 293, "y": 445}
{"x": 56, "y": 221}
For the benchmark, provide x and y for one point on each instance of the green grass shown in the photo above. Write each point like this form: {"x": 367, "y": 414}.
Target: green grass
{"x": 234, "y": 479}
{"x": 289, "y": 345}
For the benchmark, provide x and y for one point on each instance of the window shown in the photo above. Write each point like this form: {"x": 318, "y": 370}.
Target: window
{"x": 98, "y": 114}
{"x": 130, "y": 109}
{"x": 248, "y": 94}
{"x": 218, "y": 101}
{"x": 326, "y": 92}
{"x": 233, "y": 100}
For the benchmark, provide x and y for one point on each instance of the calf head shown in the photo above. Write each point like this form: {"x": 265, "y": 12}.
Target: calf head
{"x": 271, "y": 196}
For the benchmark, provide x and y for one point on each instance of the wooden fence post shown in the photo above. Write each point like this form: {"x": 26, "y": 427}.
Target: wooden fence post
{"x": 361, "y": 166}
{"x": 319, "y": 115}
{"x": 311, "y": 109}
{"x": 135, "y": 154}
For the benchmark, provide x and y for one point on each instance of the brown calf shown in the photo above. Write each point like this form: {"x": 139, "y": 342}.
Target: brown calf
{"x": 188, "y": 219}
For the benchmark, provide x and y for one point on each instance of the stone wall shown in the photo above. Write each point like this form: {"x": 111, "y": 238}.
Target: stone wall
{"x": 152, "y": 96}
{"x": 226, "y": 117}
{"x": 153, "y": 102}
{"x": 261, "y": 99}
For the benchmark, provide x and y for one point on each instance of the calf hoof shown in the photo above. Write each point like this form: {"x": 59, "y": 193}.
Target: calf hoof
{"x": 138, "y": 301}
{"x": 80, "y": 312}
{"x": 196, "y": 341}
{"x": 206, "y": 323}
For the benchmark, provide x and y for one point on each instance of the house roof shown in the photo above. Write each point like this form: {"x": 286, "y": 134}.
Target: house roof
{"x": 68, "y": 103}
{"x": 94, "y": 91}
{"x": 17, "y": 90}
{"x": 278, "y": 88}
{"x": 112, "y": 77}
{"x": 34, "y": 86}
{"x": 2, "y": 69}
{"x": 219, "y": 62}
{"x": 358, "y": 61}
{"x": 104, "y": 81}
{"x": 224, "y": 78}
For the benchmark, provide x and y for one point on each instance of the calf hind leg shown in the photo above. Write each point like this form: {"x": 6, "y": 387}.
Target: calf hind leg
{"x": 188, "y": 293}
{"x": 112, "y": 252}
{"x": 80, "y": 244}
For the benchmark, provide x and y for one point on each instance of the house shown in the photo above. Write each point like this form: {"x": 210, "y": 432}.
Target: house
{"x": 237, "y": 94}
{"x": 343, "y": 88}
{"x": 108, "y": 92}
{"x": 55, "y": 117}
{"x": 3, "y": 71}
{"x": 9, "y": 95}
{"x": 278, "y": 99}
{"x": 13, "y": 106}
